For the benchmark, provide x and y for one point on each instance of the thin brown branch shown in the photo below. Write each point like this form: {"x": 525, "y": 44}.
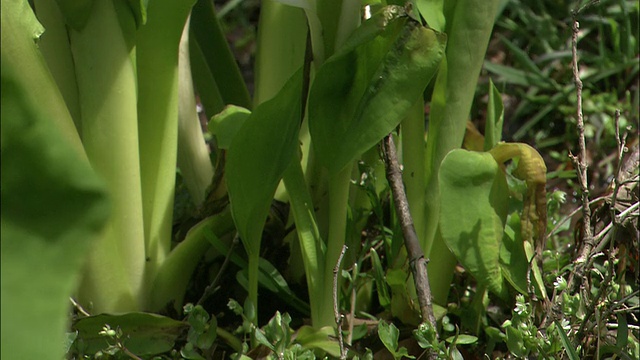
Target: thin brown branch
{"x": 336, "y": 311}
{"x": 352, "y": 311}
{"x": 581, "y": 162}
{"x": 622, "y": 142}
{"x": 416, "y": 256}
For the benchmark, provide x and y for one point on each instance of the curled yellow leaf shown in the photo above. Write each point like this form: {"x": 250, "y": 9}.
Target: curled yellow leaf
{"x": 533, "y": 171}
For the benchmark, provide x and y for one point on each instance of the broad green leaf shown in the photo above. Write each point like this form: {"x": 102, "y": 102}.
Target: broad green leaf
{"x": 53, "y": 208}
{"x": 226, "y": 124}
{"x": 495, "y": 118}
{"x": 474, "y": 197}
{"x": 364, "y": 91}
{"x": 145, "y": 333}
{"x": 258, "y": 156}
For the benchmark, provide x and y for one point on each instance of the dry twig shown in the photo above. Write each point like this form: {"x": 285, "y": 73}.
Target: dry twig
{"x": 581, "y": 160}
{"x": 416, "y": 256}
{"x": 339, "y": 317}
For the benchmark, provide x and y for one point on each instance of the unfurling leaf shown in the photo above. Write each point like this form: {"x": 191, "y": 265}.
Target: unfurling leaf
{"x": 532, "y": 170}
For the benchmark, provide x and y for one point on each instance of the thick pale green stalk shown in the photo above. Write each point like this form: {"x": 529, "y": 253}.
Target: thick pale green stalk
{"x": 338, "y": 203}
{"x": 469, "y": 26}
{"x": 20, "y": 29}
{"x": 193, "y": 155}
{"x": 281, "y": 44}
{"x": 157, "y": 63}
{"x": 55, "y": 47}
{"x": 282, "y": 35}
{"x": 113, "y": 279}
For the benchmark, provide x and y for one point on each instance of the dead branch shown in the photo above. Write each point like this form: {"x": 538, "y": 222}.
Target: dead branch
{"x": 416, "y": 256}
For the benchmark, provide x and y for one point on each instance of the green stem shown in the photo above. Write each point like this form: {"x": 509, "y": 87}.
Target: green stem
{"x": 338, "y": 200}
{"x": 157, "y": 63}
{"x": 282, "y": 35}
{"x": 231, "y": 340}
{"x": 107, "y": 86}
{"x": 308, "y": 235}
{"x": 254, "y": 270}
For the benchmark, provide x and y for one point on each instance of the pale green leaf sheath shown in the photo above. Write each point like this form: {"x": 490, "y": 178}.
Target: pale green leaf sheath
{"x": 106, "y": 78}
{"x": 157, "y": 49}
